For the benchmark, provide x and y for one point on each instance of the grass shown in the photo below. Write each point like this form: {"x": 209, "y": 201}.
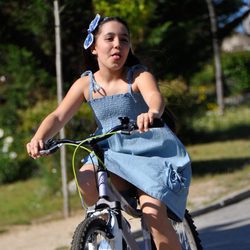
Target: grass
{"x": 23, "y": 202}
{"x": 219, "y": 169}
{"x": 234, "y": 124}
{"x": 221, "y": 165}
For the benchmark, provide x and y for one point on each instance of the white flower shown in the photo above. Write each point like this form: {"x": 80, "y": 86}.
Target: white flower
{"x": 5, "y": 148}
{"x": 54, "y": 170}
{"x": 1, "y": 133}
{"x": 2, "y": 78}
{"x": 8, "y": 140}
{"x": 6, "y": 143}
{"x": 13, "y": 155}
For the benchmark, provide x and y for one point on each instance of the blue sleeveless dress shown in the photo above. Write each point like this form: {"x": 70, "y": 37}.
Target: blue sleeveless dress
{"x": 155, "y": 161}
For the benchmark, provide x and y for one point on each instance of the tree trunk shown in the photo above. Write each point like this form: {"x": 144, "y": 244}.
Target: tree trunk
{"x": 59, "y": 98}
{"x": 217, "y": 57}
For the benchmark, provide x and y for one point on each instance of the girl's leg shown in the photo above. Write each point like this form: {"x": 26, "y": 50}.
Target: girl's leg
{"x": 155, "y": 214}
{"x": 87, "y": 182}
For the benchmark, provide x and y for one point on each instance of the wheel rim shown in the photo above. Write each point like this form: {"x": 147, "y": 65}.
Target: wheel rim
{"x": 98, "y": 240}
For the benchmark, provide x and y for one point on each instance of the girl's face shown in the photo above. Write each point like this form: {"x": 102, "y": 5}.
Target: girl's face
{"x": 112, "y": 45}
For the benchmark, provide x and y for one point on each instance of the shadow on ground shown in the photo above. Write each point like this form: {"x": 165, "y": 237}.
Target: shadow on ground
{"x": 219, "y": 166}
{"x": 228, "y": 236}
{"x": 233, "y": 133}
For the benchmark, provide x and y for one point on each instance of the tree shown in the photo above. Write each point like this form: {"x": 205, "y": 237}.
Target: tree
{"x": 59, "y": 98}
{"x": 217, "y": 57}
{"x": 178, "y": 37}
{"x": 136, "y": 13}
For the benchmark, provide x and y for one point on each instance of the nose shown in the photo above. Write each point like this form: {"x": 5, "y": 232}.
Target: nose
{"x": 117, "y": 43}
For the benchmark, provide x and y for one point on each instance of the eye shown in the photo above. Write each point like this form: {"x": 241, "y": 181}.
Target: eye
{"x": 124, "y": 40}
{"x": 109, "y": 38}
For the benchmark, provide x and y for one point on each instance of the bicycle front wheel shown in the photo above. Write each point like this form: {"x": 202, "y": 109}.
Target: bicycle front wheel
{"x": 92, "y": 234}
{"x": 187, "y": 233}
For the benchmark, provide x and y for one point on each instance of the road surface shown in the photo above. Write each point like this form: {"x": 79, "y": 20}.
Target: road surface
{"x": 224, "y": 229}
{"x": 227, "y": 228}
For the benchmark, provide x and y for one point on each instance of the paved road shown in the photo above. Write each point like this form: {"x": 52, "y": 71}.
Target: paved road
{"x": 227, "y": 228}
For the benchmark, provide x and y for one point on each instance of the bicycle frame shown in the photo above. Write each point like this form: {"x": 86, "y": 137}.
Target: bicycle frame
{"x": 111, "y": 203}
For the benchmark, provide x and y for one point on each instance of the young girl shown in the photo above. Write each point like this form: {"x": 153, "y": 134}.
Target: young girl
{"x": 152, "y": 161}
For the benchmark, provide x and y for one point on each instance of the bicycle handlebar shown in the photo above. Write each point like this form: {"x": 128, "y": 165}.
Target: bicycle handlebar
{"x": 126, "y": 127}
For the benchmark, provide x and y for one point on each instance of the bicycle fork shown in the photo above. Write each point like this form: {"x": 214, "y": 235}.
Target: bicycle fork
{"x": 119, "y": 226}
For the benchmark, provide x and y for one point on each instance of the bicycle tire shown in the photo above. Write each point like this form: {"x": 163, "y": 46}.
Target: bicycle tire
{"x": 187, "y": 233}
{"x": 92, "y": 233}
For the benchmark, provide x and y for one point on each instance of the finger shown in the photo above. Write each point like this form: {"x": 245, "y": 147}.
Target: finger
{"x": 41, "y": 144}
{"x": 151, "y": 118}
{"x": 146, "y": 122}
{"x": 36, "y": 149}
{"x": 28, "y": 148}
{"x": 140, "y": 123}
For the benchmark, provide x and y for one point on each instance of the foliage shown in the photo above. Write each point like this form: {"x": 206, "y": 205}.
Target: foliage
{"x": 181, "y": 36}
{"x": 204, "y": 76}
{"x": 12, "y": 166}
{"x": 236, "y": 67}
{"x": 233, "y": 117}
{"x": 234, "y": 124}
{"x": 136, "y": 13}
{"x": 28, "y": 26}
{"x": 183, "y": 104}
{"x": 18, "y": 90}
{"x": 21, "y": 83}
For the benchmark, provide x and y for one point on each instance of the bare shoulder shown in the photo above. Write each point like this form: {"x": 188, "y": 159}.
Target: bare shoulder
{"x": 144, "y": 74}
{"x": 143, "y": 78}
{"x": 82, "y": 82}
{"x": 82, "y": 85}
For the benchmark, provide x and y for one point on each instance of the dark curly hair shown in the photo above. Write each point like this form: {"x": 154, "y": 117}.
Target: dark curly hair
{"x": 90, "y": 59}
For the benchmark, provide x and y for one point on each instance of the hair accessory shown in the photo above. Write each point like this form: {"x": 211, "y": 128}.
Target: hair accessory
{"x": 92, "y": 26}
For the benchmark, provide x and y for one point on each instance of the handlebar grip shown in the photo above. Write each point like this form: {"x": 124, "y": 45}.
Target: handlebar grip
{"x": 157, "y": 123}
{"x": 132, "y": 126}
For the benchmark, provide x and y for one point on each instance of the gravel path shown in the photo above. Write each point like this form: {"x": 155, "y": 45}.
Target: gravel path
{"x": 52, "y": 235}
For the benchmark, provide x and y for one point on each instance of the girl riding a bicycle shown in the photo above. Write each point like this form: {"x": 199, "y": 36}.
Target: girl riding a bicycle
{"x": 152, "y": 161}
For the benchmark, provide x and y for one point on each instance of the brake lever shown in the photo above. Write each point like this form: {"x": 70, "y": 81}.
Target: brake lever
{"x": 51, "y": 146}
{"x": 51, "y": 150}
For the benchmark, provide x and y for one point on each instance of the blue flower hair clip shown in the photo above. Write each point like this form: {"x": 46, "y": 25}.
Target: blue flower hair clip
{"x": 90, "y": 37}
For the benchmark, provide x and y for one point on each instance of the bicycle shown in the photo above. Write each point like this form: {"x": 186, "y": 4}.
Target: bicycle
{"x": 105, "y": 226}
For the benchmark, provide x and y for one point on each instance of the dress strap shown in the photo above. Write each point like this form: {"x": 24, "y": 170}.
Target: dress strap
{"x": 131, "y": 72}
{"x": 93, "y": 86}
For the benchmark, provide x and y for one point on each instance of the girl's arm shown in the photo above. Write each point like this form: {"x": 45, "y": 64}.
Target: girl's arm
{"x": 147, "y": 85}
{"x": 52, "y": 124}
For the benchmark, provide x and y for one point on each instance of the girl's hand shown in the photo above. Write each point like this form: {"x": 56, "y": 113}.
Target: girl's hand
{"x": 144, "y": 120}
{"x": 34, "y": 146}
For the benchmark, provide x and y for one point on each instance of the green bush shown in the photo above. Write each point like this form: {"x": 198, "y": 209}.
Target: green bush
{"x": 184, "y": 105}
{"x": 236, "y": 77}
{"x": 236, "y": 67}
{"x": 12, "y": 170}
{"x": 23, "y": 83}
{"x": 203, "y": 77}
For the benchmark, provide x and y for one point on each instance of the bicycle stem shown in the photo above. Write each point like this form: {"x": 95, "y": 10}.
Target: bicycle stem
{"x": 102, "y": 180}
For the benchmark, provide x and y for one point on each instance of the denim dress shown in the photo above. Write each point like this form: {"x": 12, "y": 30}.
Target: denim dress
{"x": 155, "y": 161}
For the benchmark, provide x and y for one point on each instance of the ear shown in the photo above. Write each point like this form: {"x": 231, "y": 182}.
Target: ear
{"x": 93, "y": 51}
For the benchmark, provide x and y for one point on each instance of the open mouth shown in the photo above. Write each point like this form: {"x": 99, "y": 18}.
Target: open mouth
{"x": 116, "y": 56}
